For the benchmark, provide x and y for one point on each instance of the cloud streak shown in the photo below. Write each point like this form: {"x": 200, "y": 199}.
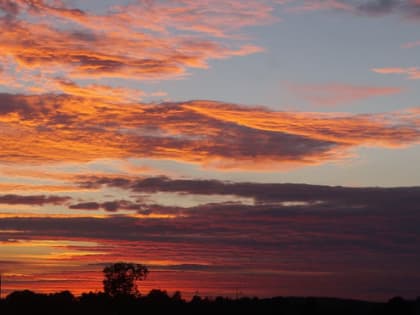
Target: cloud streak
{"x": 336, "y": 94}
{"x": 265, "y": 193}
{"x": 412, "y": 73}
{"x": 208, "y": 133}
{"x": 408, "y": 9}
{"x": 110, "y": 206}
{"x": 36, "y": 200}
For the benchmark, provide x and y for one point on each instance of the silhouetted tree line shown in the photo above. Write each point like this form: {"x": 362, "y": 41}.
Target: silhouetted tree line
{"x": 159, "y": 302}
{"x": 121, "y": 297}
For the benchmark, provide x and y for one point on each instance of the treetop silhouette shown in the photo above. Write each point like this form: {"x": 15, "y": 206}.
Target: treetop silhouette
{"x": 120, "y": 279}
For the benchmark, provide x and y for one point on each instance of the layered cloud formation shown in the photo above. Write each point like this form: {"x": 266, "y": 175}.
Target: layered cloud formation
{"x": 352, "y": 235}
{"x": 76, "y": 128}
{"x": 208, "y": 133}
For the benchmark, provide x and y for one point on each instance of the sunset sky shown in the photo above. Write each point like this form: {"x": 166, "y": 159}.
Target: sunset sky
{"x": 251, "y": 147}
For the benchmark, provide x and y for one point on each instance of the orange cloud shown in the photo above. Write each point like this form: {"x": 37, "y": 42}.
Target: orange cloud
{"x": 100, "y": 92}
{"x": 335, "y": 94}
{"x": 51, "y": 128}
{"x": 412, "y": 73}
{"x": 164, "y": 43}
{"x": 12, "y": 187}
{"x": 360, "y": 129}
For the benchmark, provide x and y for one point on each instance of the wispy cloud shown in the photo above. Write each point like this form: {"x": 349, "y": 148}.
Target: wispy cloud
{"x": 408, "y": 9}
{"x": 412, "y": 73}
{"x": 411, "y": 44}
{"x": 335, "y": 93}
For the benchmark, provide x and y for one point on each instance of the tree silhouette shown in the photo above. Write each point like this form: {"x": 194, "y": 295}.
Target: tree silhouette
{"x": 121, "y": 278}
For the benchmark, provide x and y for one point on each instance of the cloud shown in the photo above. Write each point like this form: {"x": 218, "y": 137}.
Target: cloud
{"x": 340, "y": 234}
{"x": 141, "y": 41}
{"x": 36, "y": 200}
{"x": 279, "y": 195}
{"x": 408, "y": 9}
{"x": 317, "y": 5}
{"x": 338, "y": 128}
{"x": 412, "y": 73}
{"x": 9, "y": 7}
{"x": 223, "y": 224}
{"x": 352, "y": 232}
{"x": 111, "y": 206}
{"x": 336, "y": 94}
{"x": 378, "y": 7}
{"x": 62, "y": 128}
{"x": 411, "y": 44}
{"x": 100, "y": 92}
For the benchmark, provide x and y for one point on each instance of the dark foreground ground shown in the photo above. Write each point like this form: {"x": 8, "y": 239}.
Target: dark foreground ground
{"x": 158, "y": 302}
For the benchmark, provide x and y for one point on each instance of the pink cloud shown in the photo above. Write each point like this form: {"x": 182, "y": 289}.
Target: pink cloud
{"x": 316, "y": 5}
{"x": 411, "y": 44}
{"x": 336, "y": 94}
{"x": 412, "y": 73}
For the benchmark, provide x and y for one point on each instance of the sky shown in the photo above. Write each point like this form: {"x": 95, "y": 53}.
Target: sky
{"x": 257, "y": 148}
